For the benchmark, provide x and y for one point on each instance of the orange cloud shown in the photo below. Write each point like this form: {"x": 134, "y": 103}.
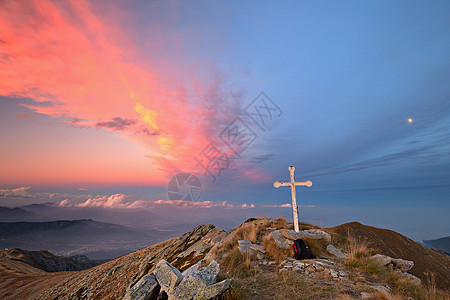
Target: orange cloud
{"x": 83, "y": 66}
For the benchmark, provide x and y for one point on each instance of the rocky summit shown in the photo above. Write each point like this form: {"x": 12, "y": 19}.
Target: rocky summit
{"x": 252, "y": 261}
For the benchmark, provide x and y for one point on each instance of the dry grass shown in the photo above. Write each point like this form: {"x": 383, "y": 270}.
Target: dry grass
{"x": 274, "y": 252}
{"x": 253, "y": 230}
{"x": 357, "y": 247}
{"x": 344, "y": 297}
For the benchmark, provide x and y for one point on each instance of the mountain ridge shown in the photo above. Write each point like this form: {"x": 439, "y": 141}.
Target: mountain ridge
{"x": 111, "y": 280}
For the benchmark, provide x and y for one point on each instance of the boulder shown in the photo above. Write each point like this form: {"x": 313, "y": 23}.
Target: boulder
{"x": 213, "y": 290}
{"x": 258, "y": 248}
{"x": 188, "y": 288}
{"x": 325, "y": 235}
{"x": 277, "y": 236}
{"x": 208, "y": 274}
{"x": 195, "y": 284}
{"x": 147, "y": 288}
{"x": 336, "y": 252}
{"x": 292, "y": 235}
{"x": 402, "y": 264}
{"x": 381, "y": 259}
{"x": 246, "y": 249}
{"x": 167, "y": 275}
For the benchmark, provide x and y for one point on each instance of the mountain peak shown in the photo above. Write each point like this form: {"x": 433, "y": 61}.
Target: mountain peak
{"x": 257, "y": 255}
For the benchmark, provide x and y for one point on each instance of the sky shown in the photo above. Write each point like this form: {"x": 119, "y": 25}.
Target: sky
{"x": 115, "y": 105}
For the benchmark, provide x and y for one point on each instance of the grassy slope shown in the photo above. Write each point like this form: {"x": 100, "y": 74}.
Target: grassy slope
{"x": 395, "y": 245}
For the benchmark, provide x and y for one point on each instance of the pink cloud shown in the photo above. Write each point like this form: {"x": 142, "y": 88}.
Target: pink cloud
{"x": 86, "y": 66}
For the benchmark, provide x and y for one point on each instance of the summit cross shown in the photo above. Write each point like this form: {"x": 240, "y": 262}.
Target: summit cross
{"x": 292, "y": 184}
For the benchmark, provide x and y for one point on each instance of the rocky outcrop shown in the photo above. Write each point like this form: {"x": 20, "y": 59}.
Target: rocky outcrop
{"x": 284, "y": 237}
{"x": 198, "y": 284}
{"x": 249, "y": 248}
{"x": 402, "y": 264}
{"x": 336, "y": 252}
{"x": 146, "y": 288}
{"x": 313, "y": 267}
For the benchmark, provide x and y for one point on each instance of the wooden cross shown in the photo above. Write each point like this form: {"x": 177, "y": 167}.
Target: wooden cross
{"x": 292, "y": 185}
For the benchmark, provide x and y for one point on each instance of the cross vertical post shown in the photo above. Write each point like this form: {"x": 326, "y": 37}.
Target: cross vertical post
{"x": 292, "y": 185}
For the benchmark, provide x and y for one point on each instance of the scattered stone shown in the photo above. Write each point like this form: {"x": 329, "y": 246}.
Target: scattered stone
{"x": 365, "y": 295}
{"x": 410, "y": 276}
{"x": 244, "y": 242}
{"x": 147, "y": 288}
{"x": 336, "y": 252}
{"x": 381, "y": 288}
{"x": 333, "y": 273}
{"x": 113, "y": 270}
{"x": 246, "y": 249}
{"x": 258, "y": 248}
{"x": 260, "y": 256}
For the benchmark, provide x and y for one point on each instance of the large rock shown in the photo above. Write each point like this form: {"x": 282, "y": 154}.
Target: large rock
{"x": 325, "y": 235}
{"x": 402, "y": 264}
{"x": 336, "y": 252}
{"x": 277, "y": 236}
{"x": 167, "y": 275}
{"x": 145, "y": 289}
{"x": 258, "y": 248}
{"x": 188, "y": 288}
{"x": 208, "y": 274}
{"x": 292, "y": 235}
{"x": 195, "y": 284}
{"x": 213, "y": 290}
{"x": 381, "y": 259}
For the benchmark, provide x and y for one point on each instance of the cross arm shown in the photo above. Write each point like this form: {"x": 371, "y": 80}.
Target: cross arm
{"x": 277, "y": 184}
{"x": 307, "y": 183}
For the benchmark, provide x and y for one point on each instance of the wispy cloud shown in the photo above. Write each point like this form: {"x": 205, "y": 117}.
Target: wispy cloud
{"x": 117, "y": 123}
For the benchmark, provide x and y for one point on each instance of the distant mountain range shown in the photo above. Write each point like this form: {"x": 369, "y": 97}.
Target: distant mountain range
{"x": 96, "y": 240}
{"x": 441, "y": 244}
{"x": 18, "y": 214}
{"x": 46, "y": 261}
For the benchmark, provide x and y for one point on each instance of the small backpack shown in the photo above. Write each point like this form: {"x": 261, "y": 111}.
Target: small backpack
{"x": 302, "y": 250}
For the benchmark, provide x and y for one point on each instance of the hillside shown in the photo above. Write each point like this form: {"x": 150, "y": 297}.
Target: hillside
{"x": 46, "y": 261}
{"x": 252, "y": 254}
{"x": 96, "y": 240}
{"x": 393, "y": 244}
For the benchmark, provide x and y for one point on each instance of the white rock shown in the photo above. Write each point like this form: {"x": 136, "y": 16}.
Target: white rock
{"x": 402, "y": 264}
{"x": 325, "y": 235}
{"x": 336, "y": 252}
